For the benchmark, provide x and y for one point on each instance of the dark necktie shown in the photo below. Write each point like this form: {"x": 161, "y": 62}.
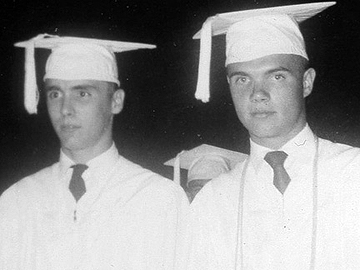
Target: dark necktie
{"x": 77, "y": 184}
{"x": 276, "y": 161}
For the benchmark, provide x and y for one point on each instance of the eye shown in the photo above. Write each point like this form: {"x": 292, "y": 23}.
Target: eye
{"x": 53, "y": 94}
{"x": 240, "y": 80}
{"x": 84, "y": 94}
{"x": 279, "y": 77}
{"x": 243, "y": 79}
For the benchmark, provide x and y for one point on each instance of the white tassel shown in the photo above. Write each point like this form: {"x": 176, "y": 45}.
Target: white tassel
{"x": 203, "y": 83}
{"x": 31, "y": 94}
{"x": 177, "y": 178}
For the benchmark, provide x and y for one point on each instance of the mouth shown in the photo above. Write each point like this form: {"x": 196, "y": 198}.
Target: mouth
{"x": 262, "y": 114}
{"x": 69, "y": 128}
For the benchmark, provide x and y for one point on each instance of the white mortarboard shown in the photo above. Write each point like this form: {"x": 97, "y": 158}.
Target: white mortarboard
{"x": 208, "y": 154}
{"x": 251, "y": 34}
{"x": 208, "y": 167}
{"x": 72, "y": 58}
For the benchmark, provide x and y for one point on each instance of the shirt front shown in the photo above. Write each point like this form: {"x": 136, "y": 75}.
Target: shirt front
{"x": 76, "y": 221}
{"x": 271, "y": 220}
{"x": 129, "y": 218}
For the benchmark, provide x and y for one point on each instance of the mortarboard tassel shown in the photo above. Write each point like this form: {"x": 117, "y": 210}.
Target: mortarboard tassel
{"x": 203, "y": 84}
{"x": 177, "y": 169}
{"x": 31, "y": 94}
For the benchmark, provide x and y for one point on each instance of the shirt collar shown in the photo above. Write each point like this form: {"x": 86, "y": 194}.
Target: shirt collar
{"x": 65, "y": 163}
{"x": 301, "y": 144}
{"x": 104, "y": 162}
{"x": 299, "y": 147}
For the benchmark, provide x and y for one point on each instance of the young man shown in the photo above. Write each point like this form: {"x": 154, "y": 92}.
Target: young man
{"x": 93, "y": 209}
{"x": 294, "y": 202}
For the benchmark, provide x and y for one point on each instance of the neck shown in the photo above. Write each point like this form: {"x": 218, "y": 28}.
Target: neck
{"x": 276, "y": 142}
{"x": 84, "y": 155}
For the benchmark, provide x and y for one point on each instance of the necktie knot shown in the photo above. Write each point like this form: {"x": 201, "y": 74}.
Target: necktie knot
{"x": 275, "y": 158}
{"x": 79, "y": 169}
{"x": 77, "y": 184}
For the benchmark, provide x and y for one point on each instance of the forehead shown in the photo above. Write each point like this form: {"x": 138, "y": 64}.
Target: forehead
{"x": 276, "y": 62}
{"x": 57, "y": 83}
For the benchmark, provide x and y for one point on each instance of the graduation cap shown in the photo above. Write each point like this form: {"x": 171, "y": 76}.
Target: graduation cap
{"x": 251, "y": 34}
{"x": 204, "y": 162}
{"x": 72, "y": 58}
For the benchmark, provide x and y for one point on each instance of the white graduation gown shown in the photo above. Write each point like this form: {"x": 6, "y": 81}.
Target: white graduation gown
{"x": 277, "y": 230}
{"x": 129, "y": 218}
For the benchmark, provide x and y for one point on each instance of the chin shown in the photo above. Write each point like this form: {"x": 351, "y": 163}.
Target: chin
{"x": 71, "y": 145}
{"x": 263, "y": 131}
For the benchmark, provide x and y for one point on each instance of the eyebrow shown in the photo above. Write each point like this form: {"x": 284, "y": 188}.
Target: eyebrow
{"x": 83, "y": 87}
{"x": 270, "y": 71}
{"x": 282, "y": 69}
{"x": 237, "y": 73}
{"x": 51, "y": 88}
{"x": 76, "y": 87}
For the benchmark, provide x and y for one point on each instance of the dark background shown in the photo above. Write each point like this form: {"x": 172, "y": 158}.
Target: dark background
{"x": 161, "y": 116}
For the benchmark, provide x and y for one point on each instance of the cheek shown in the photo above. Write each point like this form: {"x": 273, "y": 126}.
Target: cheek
{"x": 53, "y": 109}
{"x": 237, "y": 95}
{"x": 239, "y": 100}
{"x": 100, "y": 117}
{"x": 293, "y": 102}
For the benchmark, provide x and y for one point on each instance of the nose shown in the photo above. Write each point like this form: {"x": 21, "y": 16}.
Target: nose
{"x": 67, "y": 106}
{"x": 259, "y": 93}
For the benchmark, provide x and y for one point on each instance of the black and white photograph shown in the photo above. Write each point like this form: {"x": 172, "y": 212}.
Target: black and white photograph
{"x": 180, "y": 134}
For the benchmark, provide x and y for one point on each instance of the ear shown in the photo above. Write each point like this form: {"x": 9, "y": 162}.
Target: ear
{"x": 117, "y": 102}
{"x": 227, "y": 75}
{"x": 308, "y": 81}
